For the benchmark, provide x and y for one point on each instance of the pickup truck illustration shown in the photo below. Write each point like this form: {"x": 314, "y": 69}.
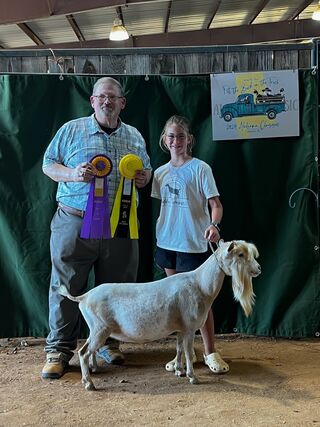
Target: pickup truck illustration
{"x": 248, "y": 104}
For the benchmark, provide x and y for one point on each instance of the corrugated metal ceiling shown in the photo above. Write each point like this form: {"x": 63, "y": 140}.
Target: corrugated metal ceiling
{"x": 153, "y": 23}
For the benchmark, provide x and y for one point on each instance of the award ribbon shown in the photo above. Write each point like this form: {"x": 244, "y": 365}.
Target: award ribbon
{"x": 96, "y": 221}
{"x": 124, "y": 220}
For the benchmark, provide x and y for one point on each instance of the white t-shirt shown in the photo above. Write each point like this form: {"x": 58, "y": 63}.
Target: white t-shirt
{"x": 184, "y": 215}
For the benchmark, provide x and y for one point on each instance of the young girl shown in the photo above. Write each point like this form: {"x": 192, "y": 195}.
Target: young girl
{"x": 186, "y": 187}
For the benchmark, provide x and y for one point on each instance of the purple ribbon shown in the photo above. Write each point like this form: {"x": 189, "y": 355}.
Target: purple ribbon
{"x": 96, "y": 221}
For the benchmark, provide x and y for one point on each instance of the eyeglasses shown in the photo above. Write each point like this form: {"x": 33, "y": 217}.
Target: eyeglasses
{"x": 102, "y": 98}
{"x": 179, "y": 137}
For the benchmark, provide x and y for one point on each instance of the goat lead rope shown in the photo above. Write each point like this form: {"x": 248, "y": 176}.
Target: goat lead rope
{"x": 215, "y": 255}
{"x": 211, "y": 247}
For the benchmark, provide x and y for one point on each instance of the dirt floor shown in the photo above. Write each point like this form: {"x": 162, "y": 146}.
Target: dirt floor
{"x": 271, "y": 382}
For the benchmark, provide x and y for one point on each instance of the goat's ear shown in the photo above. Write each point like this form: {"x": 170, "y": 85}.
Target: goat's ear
{"x": 220, "y": 242}
{"x": 232, "y": 246}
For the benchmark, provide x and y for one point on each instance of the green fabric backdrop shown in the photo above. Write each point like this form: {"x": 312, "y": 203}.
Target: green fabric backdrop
{"x": 255, "y": 179}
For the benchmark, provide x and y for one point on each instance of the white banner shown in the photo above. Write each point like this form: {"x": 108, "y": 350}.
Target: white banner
{"x": 262, "y": 104}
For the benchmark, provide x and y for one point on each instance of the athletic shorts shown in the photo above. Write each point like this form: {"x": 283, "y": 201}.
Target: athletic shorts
{"x": 180, "y": 261}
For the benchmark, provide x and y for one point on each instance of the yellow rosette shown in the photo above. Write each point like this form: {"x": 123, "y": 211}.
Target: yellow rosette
{"x": 102, "y": 164}
{"x": 124, "y": 220}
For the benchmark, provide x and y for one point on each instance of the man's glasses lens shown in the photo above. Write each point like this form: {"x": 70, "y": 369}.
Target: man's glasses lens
{"x": 103, "y": 98}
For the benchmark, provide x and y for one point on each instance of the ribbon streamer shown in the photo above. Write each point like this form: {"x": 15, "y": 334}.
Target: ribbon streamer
{"x": 96, "y": 221}
{"x": 124, "y": 219}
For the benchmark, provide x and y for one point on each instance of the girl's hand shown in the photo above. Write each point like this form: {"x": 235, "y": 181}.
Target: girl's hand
{"x": 142, "y": 178}
{"x": 212, "y": 234}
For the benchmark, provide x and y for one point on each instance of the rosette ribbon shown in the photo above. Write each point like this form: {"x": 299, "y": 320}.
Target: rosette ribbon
{"x": 96, "y": 221}
{"x": 124, "y": 220}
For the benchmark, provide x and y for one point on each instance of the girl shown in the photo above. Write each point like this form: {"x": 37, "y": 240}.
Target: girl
{"x": 186, "y": 187}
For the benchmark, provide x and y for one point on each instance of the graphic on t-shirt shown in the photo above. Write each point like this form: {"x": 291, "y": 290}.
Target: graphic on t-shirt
{"x": 173, "y": 192}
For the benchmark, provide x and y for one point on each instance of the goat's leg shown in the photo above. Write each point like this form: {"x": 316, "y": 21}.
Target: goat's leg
{"x": 188, "y": 345}
{"x": 84, "y": 355}
{"x": 94, "y": 366}
{"x": 179, "y": 369}
{"x": 96, "y": 340}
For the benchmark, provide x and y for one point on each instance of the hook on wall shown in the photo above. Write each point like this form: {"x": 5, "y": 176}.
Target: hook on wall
{"x": 59, "y": 62}
{"x": 293, "y": 204}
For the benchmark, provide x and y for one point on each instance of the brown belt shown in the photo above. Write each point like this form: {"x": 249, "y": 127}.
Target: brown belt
{"x": 70, "y": 210}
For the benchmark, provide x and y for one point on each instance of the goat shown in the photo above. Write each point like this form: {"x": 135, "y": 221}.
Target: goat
{"x": 143, "y": 312}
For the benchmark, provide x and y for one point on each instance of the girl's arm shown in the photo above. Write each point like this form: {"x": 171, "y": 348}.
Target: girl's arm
{"x": 212, "y": 233}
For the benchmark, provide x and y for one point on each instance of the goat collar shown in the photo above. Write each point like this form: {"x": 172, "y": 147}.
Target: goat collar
{"x": 215, "y": 255}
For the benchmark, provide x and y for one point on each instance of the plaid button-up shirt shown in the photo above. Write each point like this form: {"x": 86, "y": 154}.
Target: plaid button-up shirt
{"x": 79, "y": 141}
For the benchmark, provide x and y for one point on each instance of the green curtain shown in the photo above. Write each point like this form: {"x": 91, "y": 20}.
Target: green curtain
{"x": 255, "y": 179}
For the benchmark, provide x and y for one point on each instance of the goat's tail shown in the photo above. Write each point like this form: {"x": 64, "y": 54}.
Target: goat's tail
{"x": 64, "y": 291}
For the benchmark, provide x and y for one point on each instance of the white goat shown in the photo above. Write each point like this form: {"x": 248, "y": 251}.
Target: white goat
{"x": 142, "y": 312}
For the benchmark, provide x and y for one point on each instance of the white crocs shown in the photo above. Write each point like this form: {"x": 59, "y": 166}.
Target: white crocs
{"x": 215, "y": 363}
{"x": 171, "y": 366}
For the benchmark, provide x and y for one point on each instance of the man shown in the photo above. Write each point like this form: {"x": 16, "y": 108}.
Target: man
{"x": 67, "y": 161}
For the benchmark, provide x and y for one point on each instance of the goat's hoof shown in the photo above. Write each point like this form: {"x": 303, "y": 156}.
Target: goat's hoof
{"x": 89, "y": 387}
{"x": 193, "y": 380}
{"x": 180, "y": 373}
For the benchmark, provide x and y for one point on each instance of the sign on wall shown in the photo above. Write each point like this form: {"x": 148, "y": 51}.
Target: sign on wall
{"x": 255, "y": 105}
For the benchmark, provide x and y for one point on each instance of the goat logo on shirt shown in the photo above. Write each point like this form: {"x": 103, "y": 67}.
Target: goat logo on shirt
{"x": 173, "y": 190}
{"x": 174, "y": 193}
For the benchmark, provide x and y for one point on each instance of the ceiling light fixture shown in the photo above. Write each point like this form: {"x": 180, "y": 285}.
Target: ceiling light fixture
{"x": 316, "y": 13}
{"x": 118, "y": 31}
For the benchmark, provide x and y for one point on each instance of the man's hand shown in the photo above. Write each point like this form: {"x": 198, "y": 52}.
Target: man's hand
{"x": 84, "y": 172}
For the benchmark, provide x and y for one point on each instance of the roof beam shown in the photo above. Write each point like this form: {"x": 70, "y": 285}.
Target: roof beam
{"x": 299, "y": 9}
{"x": 166, "y": 24}
{"x": 245, "y": 34}
{"x": 27, "y": 30}
{"x": 216, "y": 6}
{"x": 75, "y": 27}
{"x": 257, "y": 10}
{"x": 15, "y": 11}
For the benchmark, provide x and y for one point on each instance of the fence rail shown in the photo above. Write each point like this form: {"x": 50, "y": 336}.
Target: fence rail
{"x": 170, "y": 61}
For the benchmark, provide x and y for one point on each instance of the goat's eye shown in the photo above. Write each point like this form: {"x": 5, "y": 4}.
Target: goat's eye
{"x": 241, "y": 255}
